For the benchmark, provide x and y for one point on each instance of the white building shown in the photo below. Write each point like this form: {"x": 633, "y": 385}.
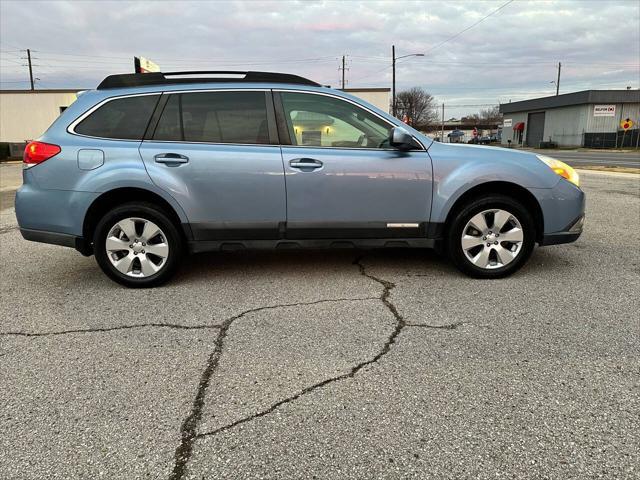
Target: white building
{"x": 590, "y": 118}
{"x": 378, "y": 97}
{"x": 26, "y": 114}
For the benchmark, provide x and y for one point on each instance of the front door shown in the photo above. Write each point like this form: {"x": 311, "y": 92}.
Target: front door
{"x": 343, "y": 179}
{"x": 216, "y": 153}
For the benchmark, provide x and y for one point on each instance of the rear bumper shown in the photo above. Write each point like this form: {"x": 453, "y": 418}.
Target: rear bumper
{"x": 58, "y": 211}
{"x": 55, "y": 238}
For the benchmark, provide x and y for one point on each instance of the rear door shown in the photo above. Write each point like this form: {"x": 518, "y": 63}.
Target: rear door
{"x": 343, "y": 178}
{"x": 535, "y": 129}
{"x": 216, "y": 153}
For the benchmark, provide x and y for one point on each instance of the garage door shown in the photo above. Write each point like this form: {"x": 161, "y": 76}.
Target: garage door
{"x": 535, "y": 129}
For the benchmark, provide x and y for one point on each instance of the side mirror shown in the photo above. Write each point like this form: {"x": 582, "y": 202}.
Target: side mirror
{"x": 402, "y": 140}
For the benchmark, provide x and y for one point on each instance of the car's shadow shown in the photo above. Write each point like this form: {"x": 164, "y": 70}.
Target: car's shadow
{"x": 400, "y": 261}
{"x": 328, "y": 261}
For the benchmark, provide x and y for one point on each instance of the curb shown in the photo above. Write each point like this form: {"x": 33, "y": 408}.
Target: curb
{"x": 628, "y": 175}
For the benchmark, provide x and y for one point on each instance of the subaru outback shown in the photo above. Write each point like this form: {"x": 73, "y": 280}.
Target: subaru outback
{"x": 148, "y": 167}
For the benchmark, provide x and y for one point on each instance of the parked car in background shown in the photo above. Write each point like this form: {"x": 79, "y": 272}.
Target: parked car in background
{"x": 149, "y": 167}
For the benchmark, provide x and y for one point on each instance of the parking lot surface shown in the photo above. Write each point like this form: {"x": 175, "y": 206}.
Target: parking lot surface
{"x": 330, "y": 364}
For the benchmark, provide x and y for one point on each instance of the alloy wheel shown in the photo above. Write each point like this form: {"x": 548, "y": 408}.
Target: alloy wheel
{"x": 492, "y": 239}
{"x": 137, "y": 247}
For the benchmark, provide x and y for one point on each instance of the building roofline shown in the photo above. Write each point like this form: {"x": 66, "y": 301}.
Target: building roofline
{"x": 381, "y": 89}
{"x": 574, "y": 98}
{"x": 46, "y": 90}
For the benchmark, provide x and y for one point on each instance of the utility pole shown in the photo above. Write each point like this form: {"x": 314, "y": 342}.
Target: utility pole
{"x": 393, "y": 81}
{"x": 30, "y": 68}
{"x": 558, "y": 82}
{"x": 344, "y": 69}
{"x": 442, "y": 132}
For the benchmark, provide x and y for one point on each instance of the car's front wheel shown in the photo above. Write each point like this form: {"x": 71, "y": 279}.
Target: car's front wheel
{"x": 137, "y": 245}
{"x": 491, "y": 237}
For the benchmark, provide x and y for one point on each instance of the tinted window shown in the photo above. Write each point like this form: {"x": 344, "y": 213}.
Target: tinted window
{"x": 169, "y": 126}
{"x": 323, "y": 121}
{"x": 215, "y": 117}
{"x": 124, "y": 118}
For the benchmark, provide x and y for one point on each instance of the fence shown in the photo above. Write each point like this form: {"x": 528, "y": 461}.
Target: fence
{"x": 619, "y": 139}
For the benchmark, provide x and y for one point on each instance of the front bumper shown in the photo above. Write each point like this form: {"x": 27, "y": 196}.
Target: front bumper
{"x": 571, "y": 234}
{"x": 563, "y": 211}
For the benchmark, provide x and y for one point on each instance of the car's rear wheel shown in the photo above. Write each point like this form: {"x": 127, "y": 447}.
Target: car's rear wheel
{"x": 137, "y": 245}
{"x": 491, "y": 237}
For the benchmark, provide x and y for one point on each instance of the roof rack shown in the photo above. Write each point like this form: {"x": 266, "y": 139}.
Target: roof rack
{"x": 159, "y": 78}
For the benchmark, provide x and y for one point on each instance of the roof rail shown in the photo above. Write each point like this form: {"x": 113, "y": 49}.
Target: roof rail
{"x": 159, "y": 78}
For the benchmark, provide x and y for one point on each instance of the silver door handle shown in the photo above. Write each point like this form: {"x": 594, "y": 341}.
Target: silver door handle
{"x": 171, "y": 158}
{"x": 305, "y": 163}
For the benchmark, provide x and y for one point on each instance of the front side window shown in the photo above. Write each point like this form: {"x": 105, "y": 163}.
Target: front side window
{"x": 123, "y": 118}
{"x": 214, "y": 117}
{"x": 323, "y": 121}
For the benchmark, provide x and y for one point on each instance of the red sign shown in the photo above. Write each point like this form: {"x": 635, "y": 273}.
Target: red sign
{"x": 475, "y": 132}
{"x": 626, "y": 124}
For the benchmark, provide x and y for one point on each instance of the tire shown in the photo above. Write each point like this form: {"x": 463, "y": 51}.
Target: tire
{"x": 498, "y": 252}
{"x": 138, "y": 262}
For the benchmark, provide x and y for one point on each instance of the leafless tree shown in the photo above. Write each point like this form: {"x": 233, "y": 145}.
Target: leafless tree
{"x": 489, "y": 115}
{"x": 416, "y": 107}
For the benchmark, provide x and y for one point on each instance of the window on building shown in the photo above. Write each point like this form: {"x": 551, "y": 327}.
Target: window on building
{"x": 123, "y": 118}
{"x": 323, "y": 121}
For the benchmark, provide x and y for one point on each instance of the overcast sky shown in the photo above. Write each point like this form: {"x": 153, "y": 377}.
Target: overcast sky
{"x": 511, "y": 54}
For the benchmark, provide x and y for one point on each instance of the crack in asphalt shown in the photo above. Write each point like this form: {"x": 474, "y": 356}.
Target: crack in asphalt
{"x": 391, "y": 339}
{"x": 110, "y": 329}
{"x": 189, "y": 426}
{"x": 449, "y": 326}
{"x": 8, "y": 229}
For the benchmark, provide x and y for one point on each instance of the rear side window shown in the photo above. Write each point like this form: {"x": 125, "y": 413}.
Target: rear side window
{"x": 123, "y": 118}
{"x": 215, "y": 117}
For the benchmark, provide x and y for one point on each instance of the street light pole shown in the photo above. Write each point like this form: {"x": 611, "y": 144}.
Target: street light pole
{"x": 393, "y": 80}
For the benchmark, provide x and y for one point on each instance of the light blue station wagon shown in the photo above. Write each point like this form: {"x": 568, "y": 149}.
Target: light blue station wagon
{"x": 148, "y": 167}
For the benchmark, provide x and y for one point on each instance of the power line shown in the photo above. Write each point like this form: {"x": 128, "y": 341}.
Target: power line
{"x": 469, "y": 27}
{"x": 328, "y": 59}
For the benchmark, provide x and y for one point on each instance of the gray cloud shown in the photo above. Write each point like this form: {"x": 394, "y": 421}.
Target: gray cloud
{"x": 510, "y": 55}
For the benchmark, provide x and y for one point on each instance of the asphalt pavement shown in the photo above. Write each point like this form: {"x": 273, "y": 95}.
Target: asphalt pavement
{"x": 10, "y": 180}
{"x": 591, "y": 158}
{"x": 328, "y": 364}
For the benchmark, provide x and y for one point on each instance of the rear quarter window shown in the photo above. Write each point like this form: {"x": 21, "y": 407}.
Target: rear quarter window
{"x": 123, "y": 118}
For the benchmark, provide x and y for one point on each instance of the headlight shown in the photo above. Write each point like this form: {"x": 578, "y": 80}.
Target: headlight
{"x": 561, "y": 169}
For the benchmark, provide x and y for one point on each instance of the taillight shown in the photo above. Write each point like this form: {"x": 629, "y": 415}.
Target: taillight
{"x": 38, "y": 152}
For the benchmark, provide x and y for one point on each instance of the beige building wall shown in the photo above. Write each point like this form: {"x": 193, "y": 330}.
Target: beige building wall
{"x": 26, "y": 115}
{"x": 378, "y": 97}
